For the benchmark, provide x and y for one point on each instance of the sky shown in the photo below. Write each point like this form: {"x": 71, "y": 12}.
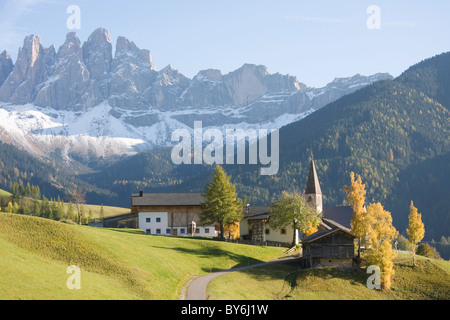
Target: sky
{"x": 315, "y": 41}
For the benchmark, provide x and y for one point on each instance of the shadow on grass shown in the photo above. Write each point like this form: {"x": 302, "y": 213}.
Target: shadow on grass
{"x": 215, "y": 252}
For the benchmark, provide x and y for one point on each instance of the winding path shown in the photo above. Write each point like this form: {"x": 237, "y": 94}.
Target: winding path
{"x": 195, "y": 289}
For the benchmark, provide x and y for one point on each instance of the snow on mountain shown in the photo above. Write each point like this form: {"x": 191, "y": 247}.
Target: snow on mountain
{"x": 82, "y": 99}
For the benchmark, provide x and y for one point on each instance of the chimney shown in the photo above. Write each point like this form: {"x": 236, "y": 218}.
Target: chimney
{"x": 141, "y": 193}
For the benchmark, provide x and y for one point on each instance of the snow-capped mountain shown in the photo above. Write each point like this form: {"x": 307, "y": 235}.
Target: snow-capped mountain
{"x": 82, "y": 99}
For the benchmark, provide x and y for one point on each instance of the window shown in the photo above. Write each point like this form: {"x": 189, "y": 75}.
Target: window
{"x": 168, "y": 231}
{"x": 182, "y": 231}
{"x": 197, "y": 230}
{"x": 148, "y": 231}
{"x": 283, "y": 231}
{"x": 148, "y": 220}
{"x": 267, "y": 231}
{"x": 158, "y": 231}
{"x": 206, "y": 230}
{"x": 158, "y": 219}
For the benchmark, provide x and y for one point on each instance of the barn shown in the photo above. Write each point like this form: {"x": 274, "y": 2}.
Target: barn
{"x": 331, "y": 246}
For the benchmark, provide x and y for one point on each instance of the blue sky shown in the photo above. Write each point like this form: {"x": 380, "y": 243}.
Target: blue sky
{"x": 315, "y": 41}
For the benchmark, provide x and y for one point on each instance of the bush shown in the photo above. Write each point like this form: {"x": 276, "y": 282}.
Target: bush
{"x": 427, "y": 251}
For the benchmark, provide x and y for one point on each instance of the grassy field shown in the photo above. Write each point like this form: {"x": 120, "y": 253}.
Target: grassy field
{"x": 95, "y": 209}
{"x": 107, "y": 211}
{"x": 114, "y": 263}
{"x": 127, "y": 264}
{"x": 430, "y": 279}
{"x": 4, "y": 193}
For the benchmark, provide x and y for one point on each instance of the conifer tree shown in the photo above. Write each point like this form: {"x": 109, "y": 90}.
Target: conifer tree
{"x": 221, "y": 203}
{"x": 416, "y": 230}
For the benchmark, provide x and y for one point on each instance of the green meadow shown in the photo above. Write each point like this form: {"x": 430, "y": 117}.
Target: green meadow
{"x": 114, "y": 263}
{"x": 126, "y": 264}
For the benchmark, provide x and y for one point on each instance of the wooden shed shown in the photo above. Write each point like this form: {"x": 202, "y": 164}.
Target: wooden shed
{"x": 329, "y": 247}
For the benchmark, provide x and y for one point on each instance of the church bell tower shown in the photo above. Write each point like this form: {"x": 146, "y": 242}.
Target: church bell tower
{"x": 313, "y": 193}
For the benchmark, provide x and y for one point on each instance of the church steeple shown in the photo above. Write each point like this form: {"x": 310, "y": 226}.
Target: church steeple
{"x": 313, "y": 193}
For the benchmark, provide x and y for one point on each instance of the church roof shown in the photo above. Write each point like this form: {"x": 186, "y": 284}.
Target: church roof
{"x": 340, "y": 215}
{"x": 313, "y": 185}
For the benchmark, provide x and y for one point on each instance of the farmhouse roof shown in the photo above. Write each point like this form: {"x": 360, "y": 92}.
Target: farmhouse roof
{"x": 323, "y": 233}
{"x": 256, "y": 213}
{"x": 167, "y": 199}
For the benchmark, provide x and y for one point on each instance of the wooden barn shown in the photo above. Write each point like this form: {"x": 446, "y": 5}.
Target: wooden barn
{"x": 331, "y": 246}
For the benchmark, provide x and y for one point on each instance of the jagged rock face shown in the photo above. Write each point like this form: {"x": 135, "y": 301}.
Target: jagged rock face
{"x": 97, "y": 55}
{"x": 6, "y": 66}
{"x": 167, "y": 88}
{"x": 132, "y": 73}
{"x": 87, "y": 99}
{"x": 67, "y": 84}
{"x": 29, "y": 71}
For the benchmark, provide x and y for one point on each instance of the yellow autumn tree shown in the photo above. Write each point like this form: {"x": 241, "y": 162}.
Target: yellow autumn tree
{"x": 232, "y": 230}
{"x": 10, "y": 208}
{"x": 416, "y": 230}
{"x": 356, "y": 195}
{"x": 380, "y": 236}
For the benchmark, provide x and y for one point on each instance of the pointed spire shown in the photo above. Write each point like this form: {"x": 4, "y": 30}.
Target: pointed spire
{"x": 313, "y": 185}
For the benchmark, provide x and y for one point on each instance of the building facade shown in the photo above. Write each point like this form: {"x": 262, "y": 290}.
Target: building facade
{"x": 171, "y": 214}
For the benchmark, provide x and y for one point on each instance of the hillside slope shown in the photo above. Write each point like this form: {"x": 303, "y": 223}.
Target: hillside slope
{"x": 430, "y": 280}
{"x": 114, "y": 264}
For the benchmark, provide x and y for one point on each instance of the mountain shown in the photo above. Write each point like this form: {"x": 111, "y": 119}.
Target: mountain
{"x": 89, "y": 103}
{"x": 390, "y": 133}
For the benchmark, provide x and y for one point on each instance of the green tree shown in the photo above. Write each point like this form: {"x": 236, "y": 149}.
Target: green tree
{"x": 292, "y": 210}
{"x": 70, "y": 213}
{"x": 428, "y": 251}
{"x": 403, "y": 243}
{"x": 221, "y": 203}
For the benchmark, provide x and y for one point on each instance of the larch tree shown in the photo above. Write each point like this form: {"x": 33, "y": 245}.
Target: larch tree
{"x": 78, "y": 197}
{"x": 416, "y": 229}
{"x": 356, "y": 195}
{"x": 380, "y": 237}
{"x": 292, "y": 210}
{"x": 221, "y": 204}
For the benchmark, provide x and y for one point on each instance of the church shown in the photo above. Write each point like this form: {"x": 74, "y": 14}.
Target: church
{"x": 255, "y": 225}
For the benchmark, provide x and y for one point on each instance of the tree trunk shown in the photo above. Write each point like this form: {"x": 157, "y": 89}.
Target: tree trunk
{"x": 294, "y": 229}
{"x": 359, "y": 248}
{"x": 222, "y": 231}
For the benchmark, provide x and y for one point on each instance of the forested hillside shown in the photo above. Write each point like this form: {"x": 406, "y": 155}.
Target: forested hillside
{"x": 53, "y": 179}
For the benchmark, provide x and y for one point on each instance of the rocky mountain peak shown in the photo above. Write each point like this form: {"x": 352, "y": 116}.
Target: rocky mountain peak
{"x": 209, "y": 74}
{"x": 128, "y": 51}
{"x": 6, "y": 66}
{"x": 97, "y": 54}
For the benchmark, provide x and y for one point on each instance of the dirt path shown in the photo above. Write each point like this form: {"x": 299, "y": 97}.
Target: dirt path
{"x": 196, "y": 288}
